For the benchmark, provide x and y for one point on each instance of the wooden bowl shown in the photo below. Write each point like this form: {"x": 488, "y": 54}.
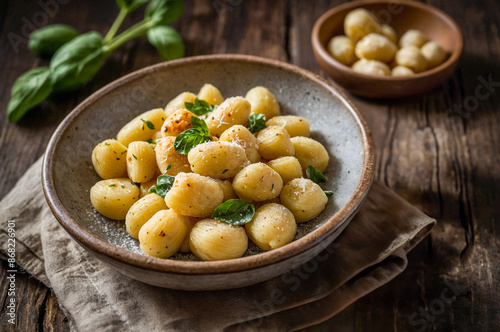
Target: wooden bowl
{"x": 68, "y": 174}
{"x": 402, "y": 16}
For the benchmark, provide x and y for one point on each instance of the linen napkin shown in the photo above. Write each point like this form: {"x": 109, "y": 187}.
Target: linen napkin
{"x": 370, "y": 252}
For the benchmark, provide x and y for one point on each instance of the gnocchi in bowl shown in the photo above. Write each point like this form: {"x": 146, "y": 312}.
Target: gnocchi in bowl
{"x": 386, "y": 49}
{"x": 237, "y": 174}
{"x": 333, "y": 122}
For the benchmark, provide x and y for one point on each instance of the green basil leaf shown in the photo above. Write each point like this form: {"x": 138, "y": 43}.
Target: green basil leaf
{"x": 76, "y": 62}
{"x": 47, "y": 40}
{"x": 148, "y": 123}
{"x": 200, "y": 125}
{"x": 199, "y": 107}
{"x": 256, "y": 122}
{"x": 29, "y": 90}
{"x": 234, "y": 212}
{"x": 315, "y": 175}
{"x": 130, "y": 5}
{"x": 163, "y": 184}
{"x": 164, "y": 11}
{"x": 328, "y": 193}
{"x": 167, "y": 41}
{"x": 188, "y": 139}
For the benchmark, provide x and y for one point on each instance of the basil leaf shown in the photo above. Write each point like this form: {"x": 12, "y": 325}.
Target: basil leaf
{"x": 234, "y": 212}
{"x": 199, "y": 107}
{"x": 130, "y": 5}
{"x": 148, "y": 123}
{"x": 200, "y": 125}
{"x": 167, "y": 41}
{"x": 163, "y": 184}
{"x": 315, "y": 175}
{"x": 328, "y": 193}
{"x": 29, "y": 90}
{"x": 47, "y": 40}
{"x": 190, "y": 138}
{"x": 76, "y": 62}
{"x": 164, "y": 11}
{"x": 256, "y": 122}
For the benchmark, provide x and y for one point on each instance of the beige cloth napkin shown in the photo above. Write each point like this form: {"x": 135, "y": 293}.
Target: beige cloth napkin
{"x": 370, "y": 252}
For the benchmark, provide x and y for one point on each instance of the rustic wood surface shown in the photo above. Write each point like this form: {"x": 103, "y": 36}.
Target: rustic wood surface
{"x": 444, "y": 162}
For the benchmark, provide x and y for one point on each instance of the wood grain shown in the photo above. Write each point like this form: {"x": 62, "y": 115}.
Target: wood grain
{"x": 442, "y": 161}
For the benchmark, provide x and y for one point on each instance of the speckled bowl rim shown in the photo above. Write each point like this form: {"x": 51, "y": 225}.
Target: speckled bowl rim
{"x": 320, "y": 49}
{"x": 297, "y": 247}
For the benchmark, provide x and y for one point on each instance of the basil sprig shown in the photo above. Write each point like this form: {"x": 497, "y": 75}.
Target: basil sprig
{"x": 47, "y": 40}
{"x": 77, "y": 58}
{"x": 163, "y": 184}
{"x": 234, "y": 212}
{"x": 317, "y": 177}
{"x": 199, "y": 107}
{"x": 256, "y": 122}
{"x": 190, "y": 138}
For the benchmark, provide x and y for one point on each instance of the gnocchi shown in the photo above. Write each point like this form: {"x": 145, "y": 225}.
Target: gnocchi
{"x": 141, "y": 211}
{"x": 179, "y": 102}
{"x": 263, "y": 101}
{"x": 304, "y": 198}
{"x": 219, "y": 160}
{"x": 433, "y": 53}
{"x": 310, "y": 152}
{"x": 113, "y": 197}
{"x": 141, "y": 162}
{"x": 233, "y": 111}
{"x": 294, "y": 125}
{"x": 163, "y": 234}
{"x": 287, "y": 167}
{"x": 412, "y": 37}
{"x": 371, "y": 67}
{"x": 109, "y": 160}
{"x": 411, "y": 57}
{"x": 194, "y": 195}
{"x": 359, "y": 23}
{"x": 272, "y": 227}
{"x": 243, "y": 137}
{"x": 184, "y": 182}
{"x": 177, "y": 122}
{"x": 212, "y": 240}
{"x": 371, "y": 48}
{"x": 142, "y": 127}
{"x": 168, "y": 160}
{"x": 274, "y": 142}
{"x": 376, "y": 47}
{"x": 257, "y": 182}
{"x": 342, "y": 49}
{"x": 210, "y": 94}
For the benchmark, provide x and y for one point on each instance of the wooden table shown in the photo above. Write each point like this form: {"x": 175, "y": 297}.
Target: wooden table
{"x": 444, "y": 162}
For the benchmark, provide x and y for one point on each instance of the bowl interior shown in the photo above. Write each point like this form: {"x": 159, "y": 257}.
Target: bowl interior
{"x": 332, "y": 118}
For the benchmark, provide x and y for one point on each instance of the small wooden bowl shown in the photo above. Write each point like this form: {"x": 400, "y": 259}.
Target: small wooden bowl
{"x": 402, "y": 16}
